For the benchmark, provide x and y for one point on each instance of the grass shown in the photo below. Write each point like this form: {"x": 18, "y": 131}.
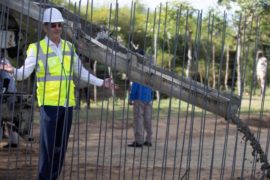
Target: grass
{"x": 118, "y": 109}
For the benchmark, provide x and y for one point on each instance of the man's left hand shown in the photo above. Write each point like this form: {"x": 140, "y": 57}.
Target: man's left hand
{"x": 108, "y": 83}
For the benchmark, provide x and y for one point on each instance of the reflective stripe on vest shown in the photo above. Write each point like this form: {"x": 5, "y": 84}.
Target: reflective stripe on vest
{"x": 53, "y": 78}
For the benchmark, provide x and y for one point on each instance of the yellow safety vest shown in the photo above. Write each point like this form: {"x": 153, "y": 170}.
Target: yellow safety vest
{"x": 55, "y": 86}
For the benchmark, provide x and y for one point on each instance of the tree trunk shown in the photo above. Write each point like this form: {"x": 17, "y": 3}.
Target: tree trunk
{"x": 95, "y": 87}
{"x": 155, "y": 60}
{"x": 111, "y": 76}
{"x": 239, "y": 79}
{"x": 189, "y": 54}
{"x": 213, "y": 66}
{"x": 227, "y": 68}
{"x": 169, "y": 50}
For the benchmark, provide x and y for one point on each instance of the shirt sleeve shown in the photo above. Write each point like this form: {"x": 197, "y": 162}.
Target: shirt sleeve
{"x": 84, "y": 74}
{"x": 29, "y": 65}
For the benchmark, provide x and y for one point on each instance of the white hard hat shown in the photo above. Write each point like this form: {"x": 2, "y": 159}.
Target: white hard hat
{"x": 52, "y": 15}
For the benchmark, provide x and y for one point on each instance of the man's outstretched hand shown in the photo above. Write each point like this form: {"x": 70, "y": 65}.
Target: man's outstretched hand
{"x": 108, "y": 83}
{"x": 7, "y": 67}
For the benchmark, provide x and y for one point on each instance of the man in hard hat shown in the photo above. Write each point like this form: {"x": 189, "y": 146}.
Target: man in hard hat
{"x": 55, "y": 62}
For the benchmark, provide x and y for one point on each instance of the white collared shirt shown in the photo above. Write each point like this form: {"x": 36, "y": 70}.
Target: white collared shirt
{"x": 79, "y": 71}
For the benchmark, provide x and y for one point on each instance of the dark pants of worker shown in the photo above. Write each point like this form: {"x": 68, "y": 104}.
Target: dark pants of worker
{"x": 54, "y": 132}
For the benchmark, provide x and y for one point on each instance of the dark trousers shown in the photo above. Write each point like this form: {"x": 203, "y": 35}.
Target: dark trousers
{"x": 55, "y": 127}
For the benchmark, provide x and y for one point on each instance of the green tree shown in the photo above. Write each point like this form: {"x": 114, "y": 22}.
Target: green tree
{"x": 256, "y": 18}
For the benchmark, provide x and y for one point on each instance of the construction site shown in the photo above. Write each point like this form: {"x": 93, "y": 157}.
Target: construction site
{"x": 210, "y": 109}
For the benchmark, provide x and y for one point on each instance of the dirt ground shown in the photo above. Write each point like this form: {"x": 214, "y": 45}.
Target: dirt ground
{"x": 188, "y": 148}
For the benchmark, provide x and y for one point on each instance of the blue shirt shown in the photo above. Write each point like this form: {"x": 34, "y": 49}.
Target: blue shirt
{"x": 140, "y": 92}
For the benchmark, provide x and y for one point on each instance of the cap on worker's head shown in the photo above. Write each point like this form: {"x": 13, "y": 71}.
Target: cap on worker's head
{"x": 52, "y": 15}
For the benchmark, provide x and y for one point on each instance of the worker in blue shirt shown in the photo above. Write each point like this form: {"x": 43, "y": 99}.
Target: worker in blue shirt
{"x": 141, "y": 98}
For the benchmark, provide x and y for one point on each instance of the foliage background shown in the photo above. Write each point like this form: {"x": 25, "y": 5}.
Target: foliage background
{"x": 157, "y": 32}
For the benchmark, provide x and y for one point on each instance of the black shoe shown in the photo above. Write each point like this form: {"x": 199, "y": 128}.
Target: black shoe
{"x": 135, "y": 144}
{"x": 12, "y": 145}
{"x": 146, "y": 143}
